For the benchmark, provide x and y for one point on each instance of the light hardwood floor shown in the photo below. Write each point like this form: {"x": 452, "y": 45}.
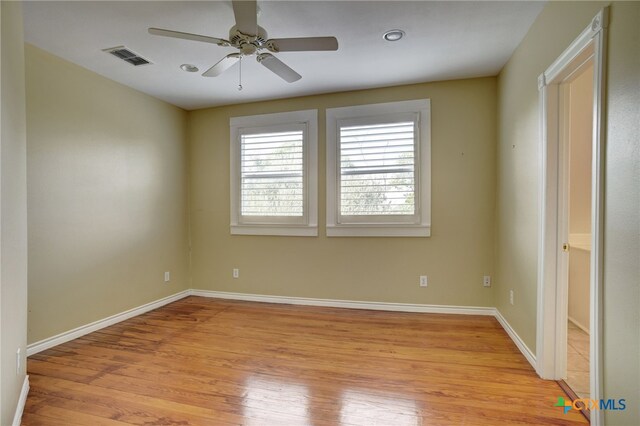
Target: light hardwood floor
{"x": 204, "y": 361}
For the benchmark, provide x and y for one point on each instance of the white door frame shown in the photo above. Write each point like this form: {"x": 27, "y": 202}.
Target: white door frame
{"x": 552, "y": 310}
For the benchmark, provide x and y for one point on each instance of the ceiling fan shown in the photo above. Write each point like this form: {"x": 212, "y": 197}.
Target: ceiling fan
{"x": 249, "y": 38}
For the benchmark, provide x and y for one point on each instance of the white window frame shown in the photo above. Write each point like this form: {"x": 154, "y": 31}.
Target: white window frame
{"x": 307, "y": 225}
{"x": 418, "y": 225}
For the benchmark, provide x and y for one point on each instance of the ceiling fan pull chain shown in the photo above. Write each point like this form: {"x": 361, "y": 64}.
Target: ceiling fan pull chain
{"x": 240, "y": 74}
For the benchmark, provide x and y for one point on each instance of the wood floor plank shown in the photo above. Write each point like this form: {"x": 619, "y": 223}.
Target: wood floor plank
{"x": 50, "y": 413}
{"x": 201, "y": 361}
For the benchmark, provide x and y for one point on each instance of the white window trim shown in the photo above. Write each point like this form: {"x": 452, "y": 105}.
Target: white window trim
{"x": 309, "y": 225}
{"x": 422, "y": 226}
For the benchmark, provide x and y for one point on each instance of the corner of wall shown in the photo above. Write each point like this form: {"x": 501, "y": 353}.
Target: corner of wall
{"x": 13, "y": 213}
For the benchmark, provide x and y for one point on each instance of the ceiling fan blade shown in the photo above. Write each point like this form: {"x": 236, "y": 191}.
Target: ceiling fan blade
{"x": 246, "y": 14}
{"x": 278, "y": 67}
{"x": 187, "y": 36}
{"x": 302, "y": 44}
{"x": 222, "y": 65}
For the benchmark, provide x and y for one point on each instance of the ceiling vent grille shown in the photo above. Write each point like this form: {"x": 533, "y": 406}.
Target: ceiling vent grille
{"x": 127, "y": 55}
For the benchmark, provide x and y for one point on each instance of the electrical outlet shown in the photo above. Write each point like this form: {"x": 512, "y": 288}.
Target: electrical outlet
{"x": 486, "y": 281}
{"x": 423, "y": 281}
{"x": 511, "y": 296}
{"x": 236, "y": 273}
{"x": 167, "y": 277}
{"x": 18, "y": 361}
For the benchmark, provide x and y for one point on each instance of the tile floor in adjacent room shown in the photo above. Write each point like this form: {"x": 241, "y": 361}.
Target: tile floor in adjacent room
{"x": 578, "y": 360}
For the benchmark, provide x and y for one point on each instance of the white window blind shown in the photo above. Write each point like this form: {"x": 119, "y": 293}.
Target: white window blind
{"x": 377, "y": 169}
{"x": 272, "y": 174}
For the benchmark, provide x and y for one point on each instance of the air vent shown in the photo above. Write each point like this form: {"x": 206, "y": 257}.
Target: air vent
{"x": 127, "y": 55}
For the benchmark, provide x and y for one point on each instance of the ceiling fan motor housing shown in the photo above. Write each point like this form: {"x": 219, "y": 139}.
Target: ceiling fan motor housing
{"x": 248, "y": 44}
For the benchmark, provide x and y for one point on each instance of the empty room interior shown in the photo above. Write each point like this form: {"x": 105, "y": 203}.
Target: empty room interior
{"x": 320, "y": 213}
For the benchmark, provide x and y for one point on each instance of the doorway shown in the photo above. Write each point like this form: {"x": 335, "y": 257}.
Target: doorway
{"x": 576, "y": 127}
{"x": 571, "y": 223}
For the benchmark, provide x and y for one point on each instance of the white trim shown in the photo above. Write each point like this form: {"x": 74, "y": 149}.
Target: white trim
{"x": 379, "y": 306}
{"x": 61, "y": 338}
{"x": 547, "y": 226}
{"x": 379, "y": 230}
{"x": 524, "y": 349}
{"x": 22, "y": 400}
{"x": 575, "y": 49}
{"x": 577, "y": 324}
{"x": 563, "y": 143}
{"x": 599, "y": 24}
{"x": 278, "y": 230}
{"x": 42, "y": 345}
{"x": 350, "y": 304}
{"x": 551, "y": 318}
{"x": 304, "y": 226}
{"x": 393, "y": 228}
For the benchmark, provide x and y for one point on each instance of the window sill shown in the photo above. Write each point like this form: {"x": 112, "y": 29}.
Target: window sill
{"x": 275, "y": 230}
{"x": 378, "y": 231}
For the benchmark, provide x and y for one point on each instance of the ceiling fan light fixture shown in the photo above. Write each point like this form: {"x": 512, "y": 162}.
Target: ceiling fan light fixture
{"x": 393, "y": 35}
{"x": 188, "y": 68}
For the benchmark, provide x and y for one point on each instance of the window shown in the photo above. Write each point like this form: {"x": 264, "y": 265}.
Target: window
{"x": 274, "y": 174}
{"x": 378, "y": 170}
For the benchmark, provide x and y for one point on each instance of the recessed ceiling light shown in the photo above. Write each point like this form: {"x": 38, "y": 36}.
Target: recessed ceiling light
{"x": 393, "y": 35}
{"x": 188, "y": 68}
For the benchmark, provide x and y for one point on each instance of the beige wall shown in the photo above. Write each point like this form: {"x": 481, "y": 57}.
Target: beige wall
{"x": 581, "y": 130}
{"x": 558, "y": 24}
{"x": 107, "y": 196}
{"x": 13, "y": 213}
{"x": 622, "y": 215}
{"x": 579, "y": 287}
{"x": 517, "y": 214}
{"x": 109, "y": 165}
{"x": 580, "y": 122}
{"x": 455, "y": 257}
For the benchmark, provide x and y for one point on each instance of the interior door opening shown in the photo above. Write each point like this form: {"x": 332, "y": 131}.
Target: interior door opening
{"x": 576, "y": 127}
{"x": 567, "y": 239}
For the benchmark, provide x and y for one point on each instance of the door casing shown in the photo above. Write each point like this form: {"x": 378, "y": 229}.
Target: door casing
{"x": 551, "y": 339}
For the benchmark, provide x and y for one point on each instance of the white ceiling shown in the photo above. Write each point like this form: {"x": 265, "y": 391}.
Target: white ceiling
{"x": 444, "y": 40}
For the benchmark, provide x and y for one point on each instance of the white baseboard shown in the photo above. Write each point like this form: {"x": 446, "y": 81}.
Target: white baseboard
{"x": 61, "y": 338}
{"x": 334, "y": 303}
{"x": 577, "y": 324}
{"x": 380, "y": 306}
{"x": 42, "y": 345}
{"x": 516, "y": 339}
{"x": 22, "y": 400}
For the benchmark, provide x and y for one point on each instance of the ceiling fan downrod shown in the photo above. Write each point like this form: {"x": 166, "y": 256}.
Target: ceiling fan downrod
{"x": 240, "y": 73}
